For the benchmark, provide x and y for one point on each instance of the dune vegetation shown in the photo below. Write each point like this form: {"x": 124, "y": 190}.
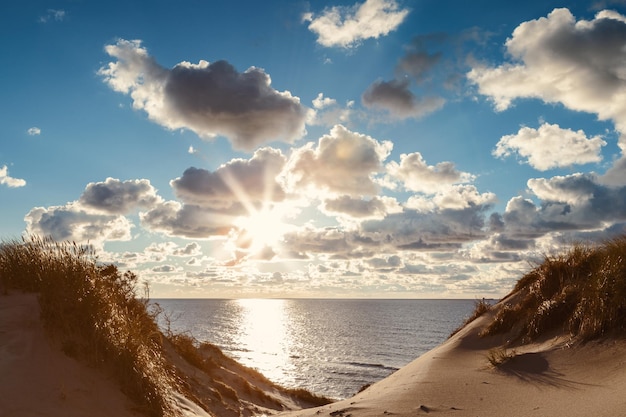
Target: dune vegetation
{"x": 581, "y": 291}
{"x": 96, "y": 315}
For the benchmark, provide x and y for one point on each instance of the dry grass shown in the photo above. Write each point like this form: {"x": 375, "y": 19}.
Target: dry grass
{"x": 480, "y": 307}
{"x": 582, "y": 291}
{"x": 499, "y": 356}
{"x": 94, "y": 312}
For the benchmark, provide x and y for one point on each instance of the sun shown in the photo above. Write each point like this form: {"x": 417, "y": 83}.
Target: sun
{"x": 261, "y": 228}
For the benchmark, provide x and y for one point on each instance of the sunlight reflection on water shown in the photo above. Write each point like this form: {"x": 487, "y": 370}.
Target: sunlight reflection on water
{"x": 264, "y": 338}
{"x": 331, "y": 347}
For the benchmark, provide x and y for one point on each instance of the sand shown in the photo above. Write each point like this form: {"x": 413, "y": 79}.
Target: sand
{"x": 551, "y": 377}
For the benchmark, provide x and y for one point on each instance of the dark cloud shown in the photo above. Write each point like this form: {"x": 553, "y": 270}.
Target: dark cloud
{"x": 175, "y": 219}
{"x": 571, "y": 203}
{"x": 207, "y": 98}
{"x": 234, "y": 183}
{"x": 119, "y": 197}
{"x": 417, "y": 64}
{"x": 396, "y": 98}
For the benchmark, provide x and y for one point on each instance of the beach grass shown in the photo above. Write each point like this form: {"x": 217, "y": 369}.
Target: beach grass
{"x": 94, "y": 312}
{"x": 581, "y": 291}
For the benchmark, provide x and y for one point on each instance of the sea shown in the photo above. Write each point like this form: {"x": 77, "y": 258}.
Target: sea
{"x": 330, "y": 347}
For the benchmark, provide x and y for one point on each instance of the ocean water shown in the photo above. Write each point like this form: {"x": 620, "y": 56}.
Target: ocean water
{"x": 330, "y": 347}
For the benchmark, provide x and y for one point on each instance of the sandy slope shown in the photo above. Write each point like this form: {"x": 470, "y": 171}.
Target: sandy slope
{"x": 548, "y": 378}
{"x": 37, "y": 379}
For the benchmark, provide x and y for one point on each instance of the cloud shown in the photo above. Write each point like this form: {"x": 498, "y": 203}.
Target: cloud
{"x": 185, "y": 220}
{"x": 237, "y": 182}
{"x": 456, "y": 197}
{"x": 577, "y": 202}
{"x": 373, "y": 208}
{"x": 207, "y": 98}
{"x": 321, "y": 102}
{"x": 346, "y": 27}
{"x": 396, "y": 98}
{"x": 560, "y": 60}
{"x": 71, "y": 222}
{"x": 34, "y": 131}
{"x": 417, "y": 64}
{"x": 9, "y": 181}
{"x": 53, "y": 14}
{"x": 551, "y": 147}
{"x": 343, "y": 162}
{"x": 119, "y": 197}
{"x": 416, "y": 175}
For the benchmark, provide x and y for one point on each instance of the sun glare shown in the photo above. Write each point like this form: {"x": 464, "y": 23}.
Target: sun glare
{"x": 261, "y": 228}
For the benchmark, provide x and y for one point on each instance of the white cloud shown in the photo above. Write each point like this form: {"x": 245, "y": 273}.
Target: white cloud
{"x": 9, "y": 181}
{"x": 208, "y": 98}
{"x": 71, "y": 222}
{"x": 396, "y": 98}
{"x": 348, "y": 26}
{"x": 344, "y": 162}
{"x": 320, "y": 101}
{"x": 550, "y": 146}
{"x": 581, "y": 64}
{"x": 416, "y": 175}
{"x": 34, "y": 131}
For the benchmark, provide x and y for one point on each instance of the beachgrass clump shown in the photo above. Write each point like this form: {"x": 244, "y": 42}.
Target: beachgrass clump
{"x": 94, "y": 312}
{"x": 582, "y": 291}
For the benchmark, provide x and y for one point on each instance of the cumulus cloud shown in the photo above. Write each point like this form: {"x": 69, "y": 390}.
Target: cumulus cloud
{"x": 237, "y": 182}
{"x": 34, "y": 131}
{"x": 346, "y": 27}
{"x": 558, "y": 59}
{"x": 321, "y": 102}
{"x": 71, "y": 222}
{"x": 396, "y": 98}
{"x": 416, "y": 175}
{"x": 576, "y": 202}
{"x": 208, "y": 98}
{"x": 6, "y": 179}
{"x": 119, "y": 197}
{"x": 343, "y": 162}
{"x": 550, "y": 146}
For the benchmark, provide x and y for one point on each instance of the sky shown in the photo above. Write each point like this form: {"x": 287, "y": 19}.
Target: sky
{"x": 321, "y": 148}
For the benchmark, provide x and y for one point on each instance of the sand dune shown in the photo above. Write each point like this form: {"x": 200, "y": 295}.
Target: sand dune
{"x": 549, "y": 377}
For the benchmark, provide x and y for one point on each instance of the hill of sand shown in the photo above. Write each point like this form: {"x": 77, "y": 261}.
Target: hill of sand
{"x": 38, "y": 379}
{"x": 551, "y": 377}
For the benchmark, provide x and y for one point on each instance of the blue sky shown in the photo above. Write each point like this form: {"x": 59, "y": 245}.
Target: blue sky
{"x": 375, "y": 148}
